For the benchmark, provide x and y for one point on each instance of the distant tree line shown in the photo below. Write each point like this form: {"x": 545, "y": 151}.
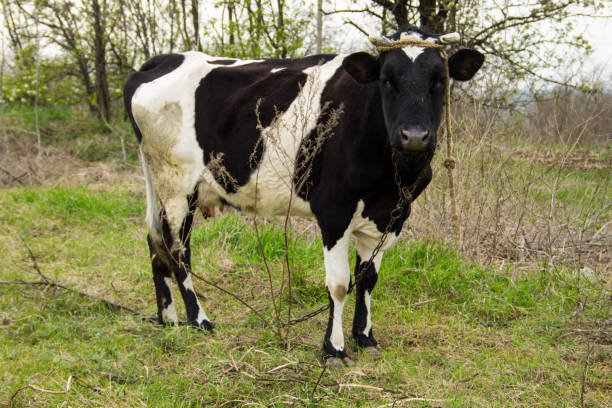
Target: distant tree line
{"x": 91, "y": 46}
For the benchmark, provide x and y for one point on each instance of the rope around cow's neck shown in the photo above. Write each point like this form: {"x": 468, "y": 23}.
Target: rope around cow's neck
{"x": 383, "y": 44}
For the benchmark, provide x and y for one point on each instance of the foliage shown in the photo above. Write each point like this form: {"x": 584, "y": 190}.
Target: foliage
{"x": 56, "y": 85}
{"x": 255, "y": 29}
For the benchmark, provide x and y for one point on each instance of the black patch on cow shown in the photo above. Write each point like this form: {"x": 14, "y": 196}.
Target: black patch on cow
{"x": 355, "y": 160}
{"x": 222, "y": 62}
{"x": 226, "y": 123}
{"x": 414, "y": 172}
{"x": 365, "y": 279}
{"x": 160, "y": 271}
{"x": 154, "y": 68}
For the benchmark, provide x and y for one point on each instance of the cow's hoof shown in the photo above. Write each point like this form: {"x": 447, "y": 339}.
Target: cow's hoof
{"x": 373, "y": 351}
{"x": 348, "y": 362}
{"x": 206, "y": 325}
{"x": 336, "y": 362}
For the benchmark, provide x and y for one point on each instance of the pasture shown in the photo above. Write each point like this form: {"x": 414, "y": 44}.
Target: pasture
{"x": 518, "y": 315}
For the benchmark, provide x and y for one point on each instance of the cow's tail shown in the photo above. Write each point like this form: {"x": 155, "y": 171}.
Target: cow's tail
{"x": 152, "y": 217}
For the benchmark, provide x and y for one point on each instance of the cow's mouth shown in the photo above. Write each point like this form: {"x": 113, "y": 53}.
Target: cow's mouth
{"x": 413, "y": 158}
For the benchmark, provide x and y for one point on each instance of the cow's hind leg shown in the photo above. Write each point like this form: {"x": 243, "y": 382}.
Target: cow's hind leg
{"x": 162, "y": 278}
{"x": 172, "y": 245}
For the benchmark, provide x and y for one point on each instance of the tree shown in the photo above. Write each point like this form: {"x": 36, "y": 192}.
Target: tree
{"x": 99, "y": 25}
{"x": 262, "y": 28}
{"x": 522, "y": 40}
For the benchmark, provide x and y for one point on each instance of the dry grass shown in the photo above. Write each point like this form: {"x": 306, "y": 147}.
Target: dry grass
{"x": 523, "y": 203}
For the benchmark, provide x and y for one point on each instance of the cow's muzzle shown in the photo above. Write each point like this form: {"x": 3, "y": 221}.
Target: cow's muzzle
{"x": 415, "y": 138}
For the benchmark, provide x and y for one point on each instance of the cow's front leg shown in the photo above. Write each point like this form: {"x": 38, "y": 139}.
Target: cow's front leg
{"x": 366, "y": 276}
{"x": 337, "y": 274}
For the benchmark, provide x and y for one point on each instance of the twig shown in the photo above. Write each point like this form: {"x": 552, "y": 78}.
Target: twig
{"x": 351, "y": 22}
{"x": 368, "y": 387}
{"x": 21, "y": 282}
{"x": 470, "y": 378}
{"x": 214, "y": 285}
{"x": 71, "y": 380}
{"x": 584, "y": 374}
{"x": 411, "y": 399}
{"x": 12, "y": 176}
{"x": 39, "y": 389}
{"x": 49, "y": 282}
{"x": 280, "y": 367}
{"x": 423, "y": 302}
{"x": 307, "y": 316}
{"x": 317, "y": 383}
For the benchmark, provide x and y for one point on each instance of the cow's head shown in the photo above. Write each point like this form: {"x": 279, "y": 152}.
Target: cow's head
{"x": 412, "y": 82}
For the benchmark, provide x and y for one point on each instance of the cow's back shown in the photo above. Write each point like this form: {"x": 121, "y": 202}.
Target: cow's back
{"x": 234, "y": 126}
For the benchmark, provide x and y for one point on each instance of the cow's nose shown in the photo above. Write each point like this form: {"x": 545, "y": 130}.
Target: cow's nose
{"x": 415, "y": 138}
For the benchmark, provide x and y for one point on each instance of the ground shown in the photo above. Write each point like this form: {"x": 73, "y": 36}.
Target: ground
{"x": 506, "y": 319}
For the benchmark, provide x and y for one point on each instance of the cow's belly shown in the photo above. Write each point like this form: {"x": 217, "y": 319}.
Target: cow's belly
{"x": 265, "y": 194}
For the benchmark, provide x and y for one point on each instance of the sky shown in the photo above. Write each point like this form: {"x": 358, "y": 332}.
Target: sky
{"x": 599, "y": 32}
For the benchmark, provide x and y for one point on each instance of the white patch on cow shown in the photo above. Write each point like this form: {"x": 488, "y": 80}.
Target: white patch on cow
{"x": 413, "y": 51}
{"x": 367, "y": 299}
{"x": 275, "y": 70}
{"x": 367, "y": 236}
{"x": 235, "y": 62}
{"x": 269, "y": 190}
{"x": 188, "y": 285}
{"x": 337, "y": 278}
{"x": 169, "y": 312}
{"x": 164, "y": 110}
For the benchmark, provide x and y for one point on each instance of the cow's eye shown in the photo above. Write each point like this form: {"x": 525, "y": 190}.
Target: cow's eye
{"x": 387, "y": 84}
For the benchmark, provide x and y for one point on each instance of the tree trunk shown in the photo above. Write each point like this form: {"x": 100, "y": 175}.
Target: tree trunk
{"x": 230, "y": 20}
{"x": 430, "y": 17}
{"x": 6, "y": 142}
{"x": 195, "y": 11}
{"x": 319, "y": 26}
{"x": 11, "y": 28}
{"x": 102, "y": 95}
{"x": 282, "y": 40}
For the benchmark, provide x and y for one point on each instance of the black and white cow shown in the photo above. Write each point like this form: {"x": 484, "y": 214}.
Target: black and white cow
{"x": 194, "y": 113}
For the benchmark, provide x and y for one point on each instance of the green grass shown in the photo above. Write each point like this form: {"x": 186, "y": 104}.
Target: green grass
{"x": 466, "y": 334}
{"x": 76, "y": 131}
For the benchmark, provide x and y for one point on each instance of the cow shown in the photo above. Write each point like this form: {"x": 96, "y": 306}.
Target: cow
{"x": 218, "y": 131}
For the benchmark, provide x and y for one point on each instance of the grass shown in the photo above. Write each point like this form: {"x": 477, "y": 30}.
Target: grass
{"x": 458, "y": 331}
{"x": 75, "y": 131}
{"x": 465, "y": 334}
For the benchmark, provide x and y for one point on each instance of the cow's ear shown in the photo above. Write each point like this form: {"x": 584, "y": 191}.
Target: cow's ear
{"x": 362, "y": 66}
{"x": 464, "y": 64}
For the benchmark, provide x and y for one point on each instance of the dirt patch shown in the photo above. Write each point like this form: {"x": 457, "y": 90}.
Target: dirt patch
{"x": 24, "y": 165}
{"x": 580, "y": 160}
